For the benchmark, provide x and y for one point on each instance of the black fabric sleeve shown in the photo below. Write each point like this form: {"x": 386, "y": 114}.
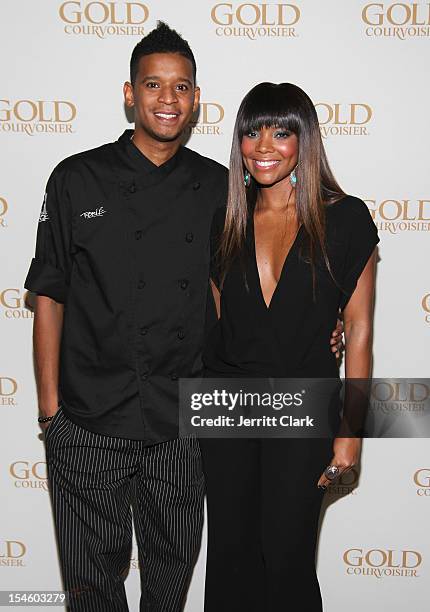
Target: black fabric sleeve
{"x": 49, "y": 272}
{"x": 215, "y": 237}
{"x": 363, "y": 238}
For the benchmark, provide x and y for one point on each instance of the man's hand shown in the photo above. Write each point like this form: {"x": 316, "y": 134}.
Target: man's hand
{"x": 44, "y": 426}
{"x": 336, "y": 340}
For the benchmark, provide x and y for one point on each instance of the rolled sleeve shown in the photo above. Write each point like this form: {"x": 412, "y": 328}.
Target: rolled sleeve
{"x": 49, "y": 272}
{"x": 45, "y": 279}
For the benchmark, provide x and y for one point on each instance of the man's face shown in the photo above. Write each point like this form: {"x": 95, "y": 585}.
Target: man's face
{"x": 164, "y": 95}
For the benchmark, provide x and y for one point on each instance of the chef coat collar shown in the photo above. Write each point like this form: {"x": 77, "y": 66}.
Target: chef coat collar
{"x": 141, "y": 163}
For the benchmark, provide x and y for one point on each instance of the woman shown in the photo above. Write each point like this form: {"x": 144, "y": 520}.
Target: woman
{"x": 290, "y": 251}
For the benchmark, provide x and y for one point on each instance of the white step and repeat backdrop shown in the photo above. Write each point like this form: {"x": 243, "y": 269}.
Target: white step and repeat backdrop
{"x": 365, "y": 65}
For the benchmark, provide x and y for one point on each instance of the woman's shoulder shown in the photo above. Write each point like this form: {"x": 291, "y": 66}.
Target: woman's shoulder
{"x": 348, "y": 209}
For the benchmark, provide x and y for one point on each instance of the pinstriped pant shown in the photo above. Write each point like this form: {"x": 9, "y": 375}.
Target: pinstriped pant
{"x": 96, "y": 483}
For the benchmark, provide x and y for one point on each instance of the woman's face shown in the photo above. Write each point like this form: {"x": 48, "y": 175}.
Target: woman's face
{"x": 270, "y": 154}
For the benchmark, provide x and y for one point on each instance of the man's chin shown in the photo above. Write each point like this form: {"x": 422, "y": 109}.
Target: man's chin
{"x": 166, "y": 136}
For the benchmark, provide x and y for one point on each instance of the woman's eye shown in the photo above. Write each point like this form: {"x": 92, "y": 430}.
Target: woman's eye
{"x": 252, "y": 134}
{"x": 282, "y": 134}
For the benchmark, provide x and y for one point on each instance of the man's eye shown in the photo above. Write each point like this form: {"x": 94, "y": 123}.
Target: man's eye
{"x": 182, "y": 87}
{"x": 152, "y": 84}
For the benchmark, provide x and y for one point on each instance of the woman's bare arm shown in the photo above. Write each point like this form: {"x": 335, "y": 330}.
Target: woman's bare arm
{"x": 358, "y": 326}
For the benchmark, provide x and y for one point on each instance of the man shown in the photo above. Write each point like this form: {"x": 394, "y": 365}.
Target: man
{"x": 121, "y": 276}
{"x": 121, "y": 273}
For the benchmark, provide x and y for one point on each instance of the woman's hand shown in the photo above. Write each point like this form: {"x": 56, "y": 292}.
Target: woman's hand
{"x": 336, "y": 340}
{"x": 346, "y": 456}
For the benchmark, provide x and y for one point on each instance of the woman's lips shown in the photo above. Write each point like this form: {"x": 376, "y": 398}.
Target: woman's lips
{"x": 265, "y": 164}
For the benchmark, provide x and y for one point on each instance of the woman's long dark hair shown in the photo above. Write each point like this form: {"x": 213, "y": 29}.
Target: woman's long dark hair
{"x": 288, "y": 107}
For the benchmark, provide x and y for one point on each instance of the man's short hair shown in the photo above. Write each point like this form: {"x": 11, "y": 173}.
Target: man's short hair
{"x": 160, "y": 40}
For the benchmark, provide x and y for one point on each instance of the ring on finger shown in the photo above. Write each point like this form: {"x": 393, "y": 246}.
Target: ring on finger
{"x": 331, "y": 472}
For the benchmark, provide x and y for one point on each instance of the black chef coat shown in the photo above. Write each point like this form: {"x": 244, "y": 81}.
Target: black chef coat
{"x": 124, "y": 244}
{"x": 291, "y": 337}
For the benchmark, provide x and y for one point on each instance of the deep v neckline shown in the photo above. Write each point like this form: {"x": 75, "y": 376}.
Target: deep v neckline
{"x": 284, "y": 265}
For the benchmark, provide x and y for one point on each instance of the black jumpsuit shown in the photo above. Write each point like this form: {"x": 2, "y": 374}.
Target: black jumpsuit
{"x": 262, "y": 495}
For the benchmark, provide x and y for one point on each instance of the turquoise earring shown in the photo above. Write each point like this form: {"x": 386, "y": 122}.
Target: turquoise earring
{"x": 247, "y": 178}
{"x": 293, "y": 177}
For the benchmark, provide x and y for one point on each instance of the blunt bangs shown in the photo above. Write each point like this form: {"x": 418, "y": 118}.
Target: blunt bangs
{"x": 269, "y": 105}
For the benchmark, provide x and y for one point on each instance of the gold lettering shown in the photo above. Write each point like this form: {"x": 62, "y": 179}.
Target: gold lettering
{"x": 3, "y": 299}
{"x": 426, "y": 302}
{"x": 4, "y": 207}
{"x": 379, "y": 16}
{"x": 406, "y": 11}
{"x": 9, "y": 548}
{"x": 129, "y": 8}
{"x": 17, "y": 109}
{"x": 89, "y": 13}
{"x": 357, "y": 107}
{"x": 358, "y": 559}
{"x": 256, "y": 10}
{"x": 3, "y": 386}
{"x": 216, "y": 18}
{"x": 58, "y": 105}
{"x": 76, "y": 14}
{"x": 211, "y": 112}
{"x": 426, "y": 480}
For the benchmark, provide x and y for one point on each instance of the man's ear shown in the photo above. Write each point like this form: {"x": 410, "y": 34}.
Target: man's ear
{"x": 196, "y": 98}
{"x": 128, "y": 94}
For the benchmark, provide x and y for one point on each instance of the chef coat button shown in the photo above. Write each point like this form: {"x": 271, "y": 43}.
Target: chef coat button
{"x": 138, "y": 234}
{"x": 143, "y": 331}
{"x": 174, "y": 376}
{"x": 184, "y": 283}
{"x": 132, "y": 188}
{"x": 181, "y": 334}
{"x": 196, "y": 185}
{"x": 189, "y": 237}
{"x": 141, "y": 284}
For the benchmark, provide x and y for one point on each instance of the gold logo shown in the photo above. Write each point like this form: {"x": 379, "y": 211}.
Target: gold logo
{"x": 398, "y": 215}
{"x": 12, "y": 553}
{"x": 422, "y": 480}
{"x": 8, "y": 389}
{"x": 14, "y": 304}
{"x": 209, "y": 121}
{"x": 37, "y": 116}
{"x": 249, "y": 20}
{"x": 397, "y": 20}
{"x": 104, "y": 19}
{"x": 425, "y": 303}
{"x": 343, "y": 119}
{"x": 380, "y": 563}
{"x": 397, "y": 397}
{"x": 28, "y": 475}
{"x": 3, "y": 210}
